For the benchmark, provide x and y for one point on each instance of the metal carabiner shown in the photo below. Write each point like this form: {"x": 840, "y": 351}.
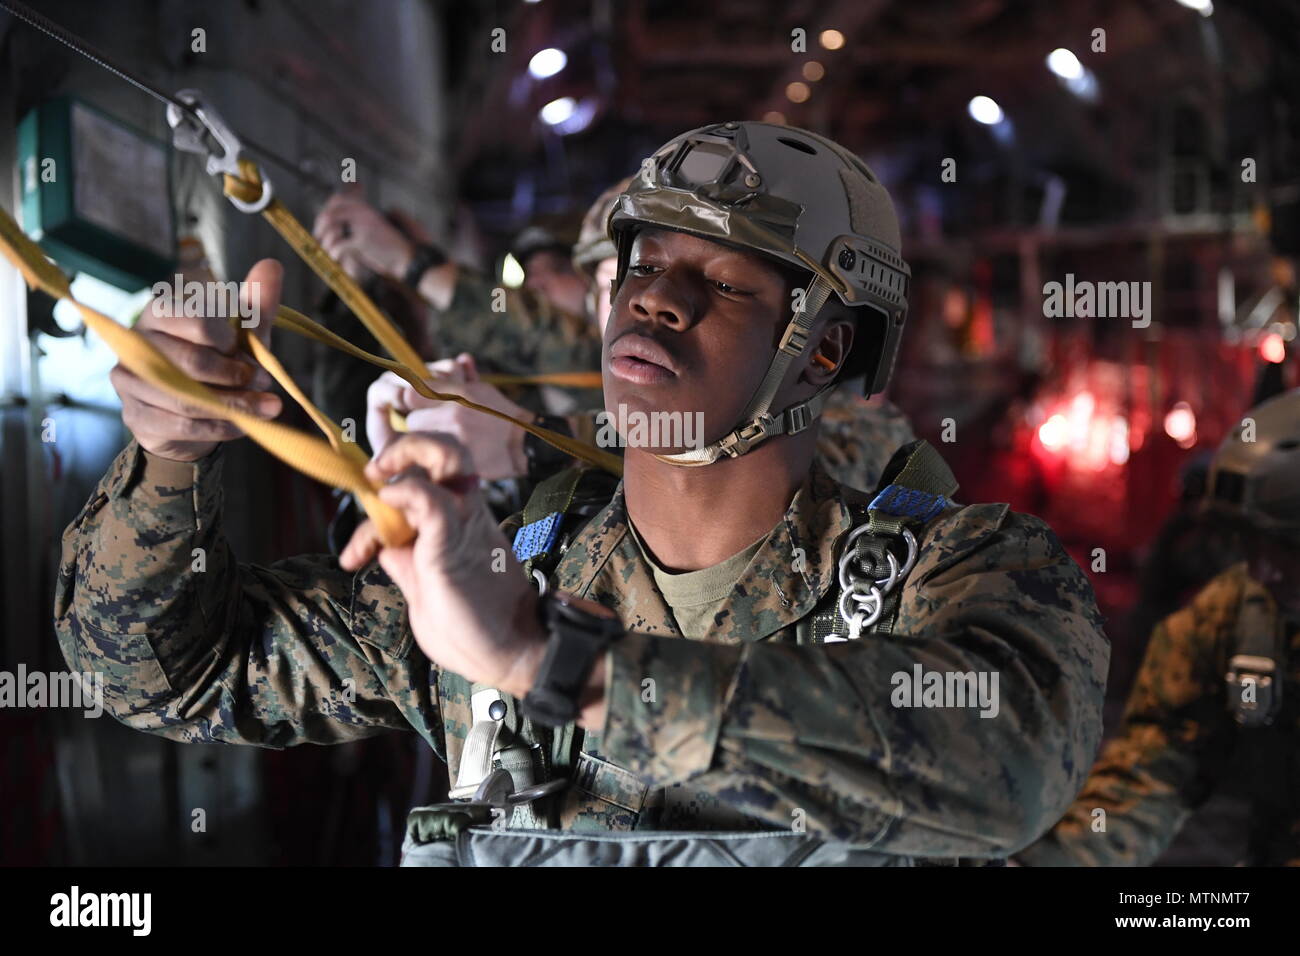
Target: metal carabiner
{"x": 199, "y": 130}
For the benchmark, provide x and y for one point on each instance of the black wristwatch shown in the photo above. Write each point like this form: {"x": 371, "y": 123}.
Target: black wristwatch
{"x": 577, "y": 638}
{"x": 424, "y": 258}
{"x": 545, "y": 459}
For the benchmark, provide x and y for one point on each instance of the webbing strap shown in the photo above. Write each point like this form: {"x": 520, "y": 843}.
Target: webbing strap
{"x": 481, "y": 742}
{"x": 409, "y": 364}
{"x": 792, "y": 344}
{"x": 542, "y": 517}
{"x": 310, "y": 455}
{"x": 757, "y": 422}
{"x": 921, "y": 487}
{"x": 337, "y": 462}
{"x": 249, "y": 189}
{"x": 299, "y": 324}
{"x": 918, "y": 493}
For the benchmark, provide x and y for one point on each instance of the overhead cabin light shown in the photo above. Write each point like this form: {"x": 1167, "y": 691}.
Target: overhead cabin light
{"x": 557, "y": 111}
{"x": 547, "y": 62}
{"x": 984, "y": 109}
{"x": 831, "y": 39}
{"x": 1063, "y": 63}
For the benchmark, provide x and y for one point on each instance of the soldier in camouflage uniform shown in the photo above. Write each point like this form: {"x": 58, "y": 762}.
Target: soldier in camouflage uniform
{"x": 727, "y": 644}
{"x": 855, "y": 439}
{"x": 512, "y": 331}
{"x": 1216, "y": 704}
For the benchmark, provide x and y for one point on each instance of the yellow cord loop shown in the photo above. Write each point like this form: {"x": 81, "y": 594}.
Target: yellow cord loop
{"x": 303, "y": 452}
{"x": 339, "y": 462}
{"x": 408, "y": 363}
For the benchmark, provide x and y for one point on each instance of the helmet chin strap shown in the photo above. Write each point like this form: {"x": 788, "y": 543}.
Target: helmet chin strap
{"x": 757, "y": 422}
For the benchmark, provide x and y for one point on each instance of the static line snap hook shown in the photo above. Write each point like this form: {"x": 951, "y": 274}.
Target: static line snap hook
{"x": 201, "y": 130}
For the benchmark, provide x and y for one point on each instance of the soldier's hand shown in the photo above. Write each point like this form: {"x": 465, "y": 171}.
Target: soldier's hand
{"x": 496, "y": 446}
{"x": 205, "y": 347}
{"x": 390, "y": 390}
{"x": 470, "y": 607}
{"x": 355, "y": 232}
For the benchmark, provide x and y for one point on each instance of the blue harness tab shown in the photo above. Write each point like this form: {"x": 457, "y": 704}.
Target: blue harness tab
{"x": 908, "y": 503}
{"x": 537, "y": 537}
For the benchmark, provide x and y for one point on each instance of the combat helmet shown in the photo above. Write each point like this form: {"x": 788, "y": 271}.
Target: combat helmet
{"x": 594, "y": 244}
{"x": 1255, "y": 474}
{"x": 796, "y": 197}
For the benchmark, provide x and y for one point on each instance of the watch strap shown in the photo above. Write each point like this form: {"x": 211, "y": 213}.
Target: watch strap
{"x": 424, "y": 258}
{"x": 576, "y": 639}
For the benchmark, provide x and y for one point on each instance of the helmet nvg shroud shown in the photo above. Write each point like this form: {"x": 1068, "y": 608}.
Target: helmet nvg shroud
{"x": 794, "y": 196}
{"x": 1255, "y": 474}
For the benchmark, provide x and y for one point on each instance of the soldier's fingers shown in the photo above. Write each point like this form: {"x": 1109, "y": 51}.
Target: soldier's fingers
{"x": 154, "y": 424}
{"x": 440, "y": 418}
{"x": 336, "y": 246}
{"x": 411, "y": 399}
{"x": 128, "y": 384}
{"x": 468, "y": 367}
{"x": 442, "y": 368}
{"x": 425, "y": 505}
{"x": 336, "y": 199}
{"x": 385, "y": 389}
{"x": 261, "y": 294}
{"x": 444, "y": 458}
{"x": 323, "y": 219}
{"x": 379, "y": 432}
{"x": 202, "y": 362}
{"x": 215, "y": 333}
{"x": 361, "y": 548}
{"x": 384, "y": 393}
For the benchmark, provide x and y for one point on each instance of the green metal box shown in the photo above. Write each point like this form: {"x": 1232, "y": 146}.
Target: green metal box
{"x": 96, "y": 194}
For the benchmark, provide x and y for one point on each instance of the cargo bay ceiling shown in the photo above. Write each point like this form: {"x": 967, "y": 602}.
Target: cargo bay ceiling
{"x": 1174, "y": 93}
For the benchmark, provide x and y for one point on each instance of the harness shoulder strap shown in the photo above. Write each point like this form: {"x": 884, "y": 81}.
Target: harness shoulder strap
{"x": 915, "y": 487}
{"x": 554, "y": 513}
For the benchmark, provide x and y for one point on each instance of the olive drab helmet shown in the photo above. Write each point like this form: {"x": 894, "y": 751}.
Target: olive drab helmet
{"x": 594, "y": 244}
{"x": 794, "y": 196}
{"x": 1255, "y": 474}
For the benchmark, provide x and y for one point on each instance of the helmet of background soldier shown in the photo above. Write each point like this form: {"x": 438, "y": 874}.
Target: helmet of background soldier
{"x": 534, "y": 239}
{"x": 802, "y": 200}
{"x": 1255, "y": 474}
{"x": 594, "y": 244}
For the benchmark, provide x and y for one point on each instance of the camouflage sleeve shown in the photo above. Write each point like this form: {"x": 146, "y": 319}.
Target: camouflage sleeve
{"x": 196, "y": 647}
{"x": 775, "y": 729}
{"x": 515, "y": 330}
{"x": 1170, "y": 748}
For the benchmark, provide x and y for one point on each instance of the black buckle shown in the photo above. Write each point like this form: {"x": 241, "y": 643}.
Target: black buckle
{"x": 797, "y": 419}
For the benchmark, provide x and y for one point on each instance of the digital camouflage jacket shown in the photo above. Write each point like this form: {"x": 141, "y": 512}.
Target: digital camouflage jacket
{"x": 1179, "y": 742}
{"x": 754, "y": 728}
